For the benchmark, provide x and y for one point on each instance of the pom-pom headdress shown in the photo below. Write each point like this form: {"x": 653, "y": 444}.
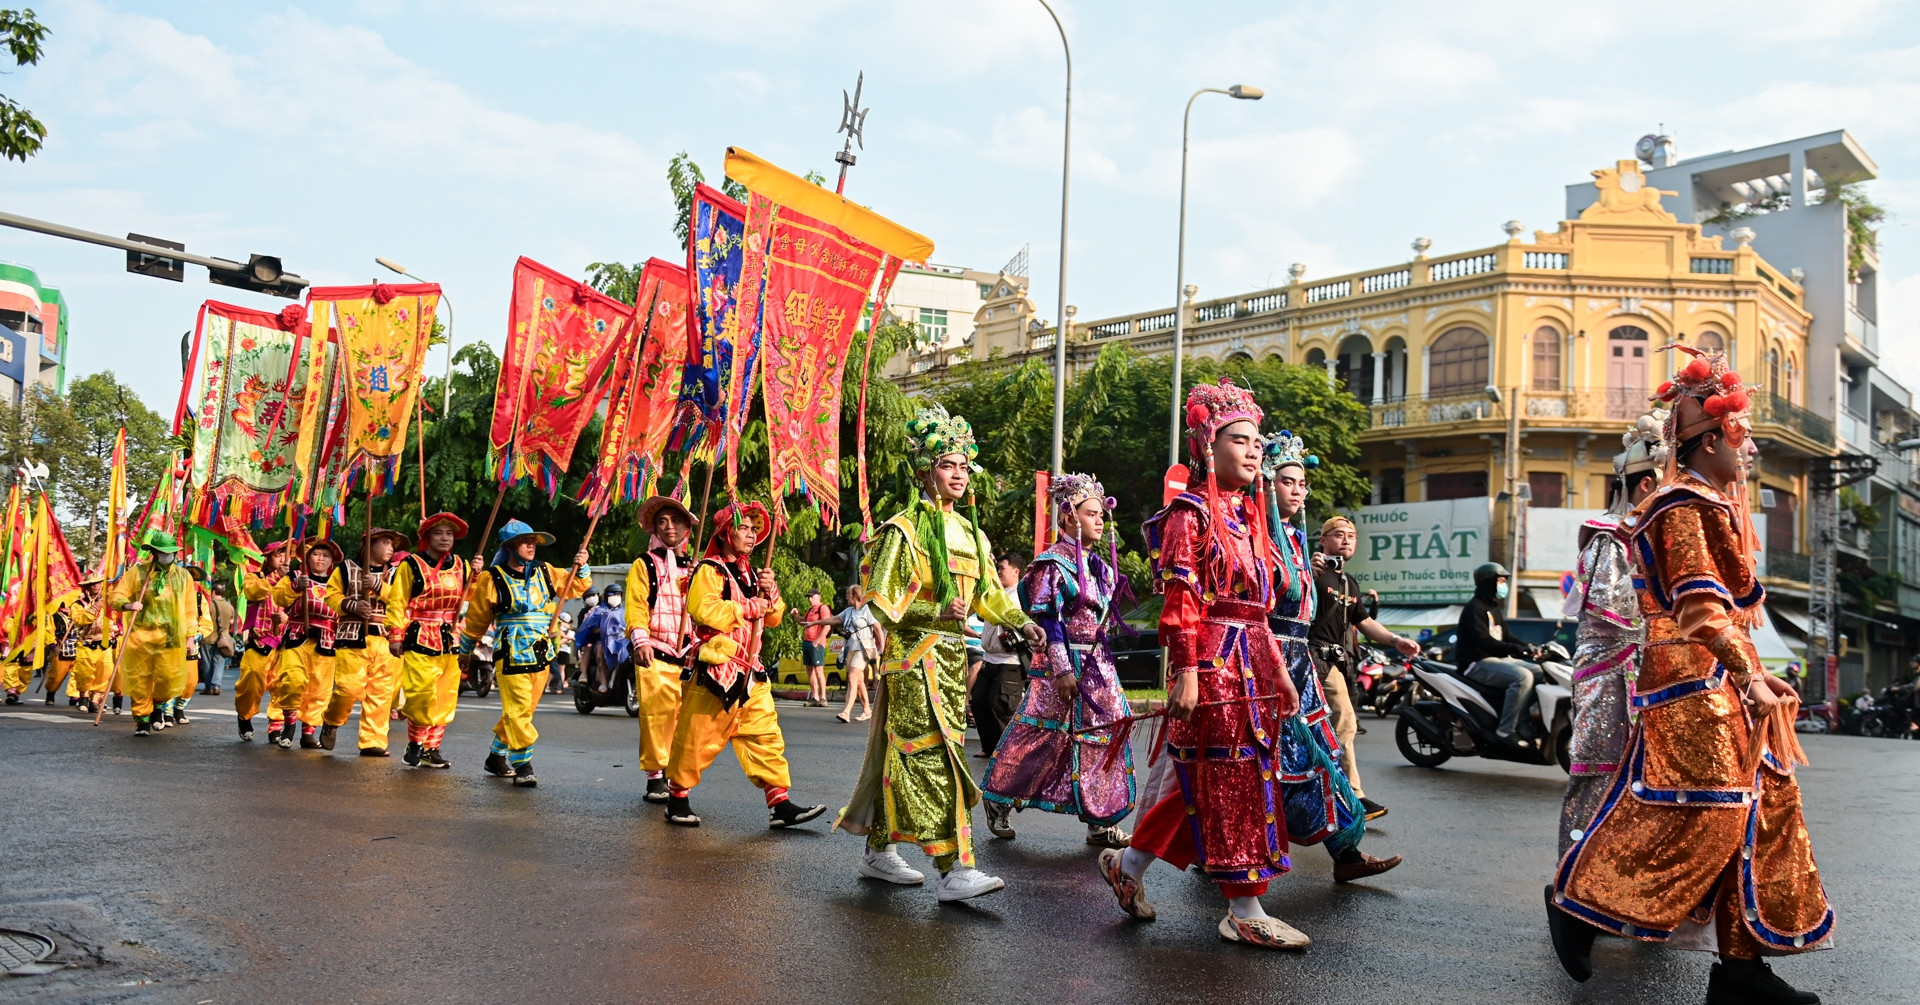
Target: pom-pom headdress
{"x": 1706, "y": 395}
{"x": 1211, "y": 408}
{"x": 933, "y": 434}
{"x": 1286, "y": 450}
{"x": 1066, "y": 492}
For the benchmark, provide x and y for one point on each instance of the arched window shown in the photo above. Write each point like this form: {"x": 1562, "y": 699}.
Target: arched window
{"x": 1457, "y": 363}
{"x": 1793, "y": 378}
{"x": 1546, "y": 358}
{"x": 1709, "y": 339}
{"x": 1356, "y": 366}
{"x": 1773, "y": 372}
{"x": 1316, "y": 357}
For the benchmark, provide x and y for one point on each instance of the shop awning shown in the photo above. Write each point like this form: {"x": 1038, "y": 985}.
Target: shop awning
{"x": 1771, "y": 647}
{"x": 1420, "y": 617}
{"x": 1799, "y": 619}
{"x": 1548, "y": 600}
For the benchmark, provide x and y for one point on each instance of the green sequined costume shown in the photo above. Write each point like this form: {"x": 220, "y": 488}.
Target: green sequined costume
{"x": 914, "y": 783}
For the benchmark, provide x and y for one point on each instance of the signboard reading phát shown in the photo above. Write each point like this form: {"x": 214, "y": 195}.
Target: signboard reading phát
{"x": 1421, "y": 552}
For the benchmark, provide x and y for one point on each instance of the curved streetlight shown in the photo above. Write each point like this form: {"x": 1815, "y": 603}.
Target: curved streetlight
{"x": 446, "y": 382}
{"x": 1244, "y": 93}
{"x": 1060, "y": 329}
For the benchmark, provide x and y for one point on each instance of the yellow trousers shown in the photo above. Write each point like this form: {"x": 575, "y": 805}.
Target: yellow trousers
{"x": 705, "y": 728}
{"x": 430, "y": 686}
{"x": 92, "y": 670}
{"x": 255, "y": 669}
{"x": 60, "y": 672}
{"x": 17, "y": 677}
{"x": 519, "y": 696}
{"x": 305, "y": 684}
{"x": 148, "y": 676}
{"x": 189, "y": 672}
{"x": 368, "y": 676}
{"x": 658, "y": 685}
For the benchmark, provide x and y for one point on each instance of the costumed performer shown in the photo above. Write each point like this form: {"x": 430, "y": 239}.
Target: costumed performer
{"x": 1700, "y": 841}
{"x": 266, "y": 621}
{"x": 423, "y": 601}
{"x": 304, "y": 662}
{"x": 158, "y": 593}
{"x": 1214, "y": 796}
{"x": 1059, "y": 752}
{"x": 365, "y": 670}
{"x": 661, "y": 634}
{"x": 93, "y": 657}
{"x": 926, "y": 572}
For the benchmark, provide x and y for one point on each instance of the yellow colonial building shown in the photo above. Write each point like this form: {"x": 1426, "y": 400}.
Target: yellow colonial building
{"x": 1511, "y": 372}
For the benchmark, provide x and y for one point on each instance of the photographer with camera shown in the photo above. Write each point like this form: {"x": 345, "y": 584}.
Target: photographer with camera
{"x": 1339, "y": 611}
{"x": 1001, "y": 680}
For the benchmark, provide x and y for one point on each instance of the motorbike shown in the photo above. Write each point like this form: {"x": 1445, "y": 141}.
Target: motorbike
{"x": 1452, "y": 715}
{"x": 476, "y": 674}
{"x": 1388, "y": 686}
{"x": 1890, "y": 714}
{"x": 619, "y": 692}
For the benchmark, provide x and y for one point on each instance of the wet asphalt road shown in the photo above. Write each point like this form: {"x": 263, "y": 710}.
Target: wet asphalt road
{"x": 193, "y": 868}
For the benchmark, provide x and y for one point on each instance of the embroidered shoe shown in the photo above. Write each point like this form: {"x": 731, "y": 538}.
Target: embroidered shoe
{"x": 887, "y": 865}
{"x": 246, "y": 730}
{"x": 1265, "y": 933}
{"x": 680, "y": 811}
{"x": 786, "y": 813}
{"x": 965, "y": 883}
{"x": 1127, "y": 890}
{"x": 143, "y": 725}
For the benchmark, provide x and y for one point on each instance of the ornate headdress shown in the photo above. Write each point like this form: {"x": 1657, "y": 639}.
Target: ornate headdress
{"x": 1213, "y": 407}
{"x": 1706, "y": 395}
{"x": 1070, "y": 490}
{"x": 1645, "y": 446}
{"x": 933, "y": 434}
{"x": 1286, "y": 450}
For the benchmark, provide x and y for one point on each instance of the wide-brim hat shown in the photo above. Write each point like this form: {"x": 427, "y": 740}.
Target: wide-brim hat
{"x": 94, "y": 578}
{"x": 325, "y": 544}
{"x": 650, "y": 511}
{"x": 723, "y": 524}
{"x": 269, "y": 549}
{"x": 459, "y": 526}
{"x": 398, "y": 538}
{"x": 515, "y": 531}
{"x": 159, "y": 540}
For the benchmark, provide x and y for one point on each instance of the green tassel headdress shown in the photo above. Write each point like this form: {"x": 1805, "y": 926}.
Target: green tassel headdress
{"x": 931, "y": 435}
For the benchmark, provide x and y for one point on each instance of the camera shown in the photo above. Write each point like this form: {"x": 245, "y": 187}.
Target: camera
{"x": 1333, "y": 563}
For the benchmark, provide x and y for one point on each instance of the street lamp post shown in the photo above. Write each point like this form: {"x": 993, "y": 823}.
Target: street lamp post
{"x": 1180, "y": 268}
{"x": 446, "y": 382}
{"x": 1060, "y": 329}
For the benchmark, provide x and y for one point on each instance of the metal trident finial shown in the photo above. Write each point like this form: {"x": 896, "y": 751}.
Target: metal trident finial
{"x": 853, "y": 121}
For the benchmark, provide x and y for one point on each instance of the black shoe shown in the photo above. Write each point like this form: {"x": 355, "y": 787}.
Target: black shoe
{"x": 143, "y": 725}
{"x": 786, "y": 813}
{"x": 327, "y": 734}
{"x": 49, "y": 699}
{"x": 116, "y": 703}
{"x": 1373, "y": 810}
{"x": 12, "y": 699}
{"x": 246, "y": 730}
{"x": 432, "y": 759}
{"x": 496, "y": 764}
{"x": 523, "y": 776}
{"x": 656, "y": 790}
{"x": 374, "y": 752}
{"x": 163, "y": 720}
{"x": 680, "y": 811}
{"x": 1752, "y": 982}
{"x": 1572, "y": 940}
{"x": 308, "y": 741}
{"x": 412, "y": 757}
{"x": 180, "y": 716}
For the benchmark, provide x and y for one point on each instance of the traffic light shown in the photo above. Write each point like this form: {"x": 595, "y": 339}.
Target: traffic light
{"x": 262, "y": 274}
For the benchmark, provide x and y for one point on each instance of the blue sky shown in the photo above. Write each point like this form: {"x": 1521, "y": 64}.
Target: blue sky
{"x": 453, "y": 137}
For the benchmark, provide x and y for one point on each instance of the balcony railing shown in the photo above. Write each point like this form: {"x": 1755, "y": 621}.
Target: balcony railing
{"x": 1787, "y": 565}
{"x": 1773, "y": 410}
{"x": 1580, "y": 407}
{"x": 1711, "y": 266}
{"x": 1544, "y": 260}
{"x": 1329, "y": 291}
{"x": 1382, "y": 281}
{"x": 1471, "y": 266}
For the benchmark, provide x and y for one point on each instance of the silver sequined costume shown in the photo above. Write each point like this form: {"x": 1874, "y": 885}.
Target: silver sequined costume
{"x": 1606, "y": 654}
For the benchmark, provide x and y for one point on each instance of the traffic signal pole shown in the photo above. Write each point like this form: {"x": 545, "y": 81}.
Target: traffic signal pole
{"x": 284, "y": 284}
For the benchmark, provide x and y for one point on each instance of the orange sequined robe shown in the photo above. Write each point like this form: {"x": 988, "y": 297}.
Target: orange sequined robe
{"x": 1693, "y": 843}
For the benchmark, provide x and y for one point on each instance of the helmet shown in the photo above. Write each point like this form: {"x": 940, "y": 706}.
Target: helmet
{"x": 1487, "y": 572}
{"x": 614, "y": 590}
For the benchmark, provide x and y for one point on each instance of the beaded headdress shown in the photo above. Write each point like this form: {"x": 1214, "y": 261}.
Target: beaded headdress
{"x": 933, "y": 434}
{"x": 1645, "y": 450}
{"x": 1213, "y": 407}
{"x": 1069, "y": 491}
{"x": 1706, "y": 395}
{"x": 1286, "y": 450}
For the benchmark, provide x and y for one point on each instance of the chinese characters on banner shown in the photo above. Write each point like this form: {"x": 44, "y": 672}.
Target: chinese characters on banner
{"x": 715, "y": 256}
{"x": 382, "y": 331}
{"x": 243, "y": 443}
{"x": 817, "y": 284}
{"x": 646, "y": 383}
{"x": 563, "y": 337}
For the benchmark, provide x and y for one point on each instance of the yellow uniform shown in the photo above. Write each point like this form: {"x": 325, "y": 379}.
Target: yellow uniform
{"x": 157, "y": 634}
{"x": 656, "y": 592}
{"x": 422, "y": 602}
{"x": 264, "y": 624}
{"x": 305, "y": 661}
{"x": 365, "y": 670}
{"x": 519, "y": 605}
{"x": 730, "y": 699}
{"x": 93, "y": 655}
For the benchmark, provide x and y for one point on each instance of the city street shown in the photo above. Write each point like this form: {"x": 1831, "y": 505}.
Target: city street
{"x": 192, "y": 868}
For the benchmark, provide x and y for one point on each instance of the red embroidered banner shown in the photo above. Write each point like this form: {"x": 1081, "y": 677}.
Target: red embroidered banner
{"x": 865, "y": 494}
{"x": 562, "y": 339}
{"x": 646, "y": 383}
{"x": 818, "y": 279}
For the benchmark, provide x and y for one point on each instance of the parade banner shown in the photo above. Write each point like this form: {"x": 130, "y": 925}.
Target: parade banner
{"x": 817, "y": 283}
{"x": 747, "y": 371}
{"x": 317, "y": 458}
{"x": 13, "y": 571}
{"x": 888, "y": 273}
{"x": 563, "y": 338}
{"x": 646, "y": 383}
{"x": 242, "y": 446}
{"x": 716, "y": 254}
{"x": 56, "y": 577}
{"x": 383, "y": 331}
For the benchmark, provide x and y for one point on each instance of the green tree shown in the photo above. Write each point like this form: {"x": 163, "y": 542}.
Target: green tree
{"x": 682, "y": 175}
{"x": 20, "y": 133}
{"x": 101, "y": 406}
{"x": 621, "y": 282}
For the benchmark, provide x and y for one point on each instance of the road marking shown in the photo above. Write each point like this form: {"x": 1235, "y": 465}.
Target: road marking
{"x": 40, "y": 717}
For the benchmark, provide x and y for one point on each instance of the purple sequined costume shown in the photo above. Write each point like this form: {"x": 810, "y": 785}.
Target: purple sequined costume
{"x": 1041, "y": 762}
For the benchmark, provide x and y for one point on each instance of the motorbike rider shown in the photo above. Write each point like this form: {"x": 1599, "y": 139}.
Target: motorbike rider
{"x": 1487, "y": 656}
{"x": 603, "y": 632}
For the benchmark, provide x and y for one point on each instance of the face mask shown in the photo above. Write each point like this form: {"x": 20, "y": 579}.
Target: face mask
{"x": 162, "y": 558}
{"x": 1500, "y": 591}
{"x": 615, "y": 601}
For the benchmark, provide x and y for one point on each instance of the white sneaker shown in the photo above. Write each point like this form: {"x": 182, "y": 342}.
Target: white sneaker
{"x": 888, "y": 865}
{"x": 967, "y": 882}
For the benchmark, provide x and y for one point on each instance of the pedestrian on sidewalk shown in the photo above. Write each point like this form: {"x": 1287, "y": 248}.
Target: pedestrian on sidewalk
{"x": 1339, "y": 612}
{"x": 860, "y": 655}
{"x": 817, "y": 621}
